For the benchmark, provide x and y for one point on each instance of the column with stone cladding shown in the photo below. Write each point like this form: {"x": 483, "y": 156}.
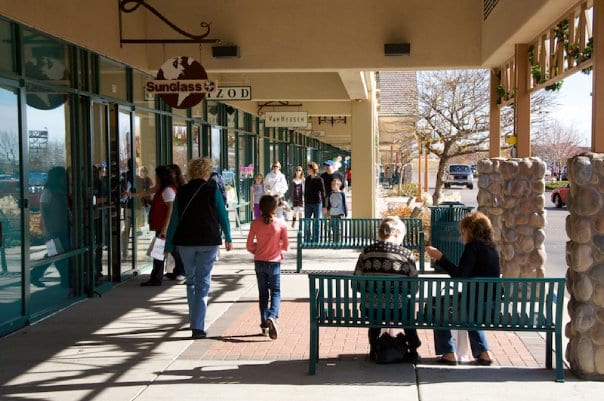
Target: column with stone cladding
{"x": 511, "y": 192}
{"x": 585, "y": 259}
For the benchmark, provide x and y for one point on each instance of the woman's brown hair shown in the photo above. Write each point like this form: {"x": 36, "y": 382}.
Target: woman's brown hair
{"x": 479, "y": 228}
{"x": 314, "y": 167}
{"x": 268, "y": 206}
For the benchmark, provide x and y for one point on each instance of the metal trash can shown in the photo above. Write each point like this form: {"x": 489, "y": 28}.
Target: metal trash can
{"x": 445, "y": 233}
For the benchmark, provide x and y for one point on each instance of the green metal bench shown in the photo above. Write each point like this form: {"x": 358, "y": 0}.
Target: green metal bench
{"x": 506, "y": 304}
{"x": 353, "y": 234}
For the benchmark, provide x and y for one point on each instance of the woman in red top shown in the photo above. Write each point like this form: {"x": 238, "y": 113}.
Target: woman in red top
{"x": 159, "y": 216}
{"x": 267, "y": 240}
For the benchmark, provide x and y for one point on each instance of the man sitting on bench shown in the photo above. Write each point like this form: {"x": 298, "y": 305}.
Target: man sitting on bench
{"x": 388, "y": 257}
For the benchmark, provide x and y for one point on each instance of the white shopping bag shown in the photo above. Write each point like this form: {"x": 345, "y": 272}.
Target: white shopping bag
{"x": 159, "y": 244}
{"x": 54, "y": 247}
{"x": 462, "y": 345}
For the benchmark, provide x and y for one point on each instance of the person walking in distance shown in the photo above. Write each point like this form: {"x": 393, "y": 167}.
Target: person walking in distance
{"x": 275, "y": 182}
{"x": 257, "y": 191}
{"x": 267, "y": 240}
{"x": 336, "y": 205}
{"x": 314, "y": 194}
{"x": 329, "y": 174}
{"x": 296, "y": 194}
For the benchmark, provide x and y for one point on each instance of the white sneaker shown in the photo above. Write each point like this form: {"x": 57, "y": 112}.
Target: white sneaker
{"x": 180, "y": 279}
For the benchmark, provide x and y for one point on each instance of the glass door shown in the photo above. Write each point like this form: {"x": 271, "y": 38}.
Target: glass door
{"x": 125, "y": 165}
{"x": 53, "y": 281}
{"x": 11, "y": 270}
{"x": 101, "y": 206}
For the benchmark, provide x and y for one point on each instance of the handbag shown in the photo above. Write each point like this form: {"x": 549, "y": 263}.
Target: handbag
{"x": 389, "y": 349}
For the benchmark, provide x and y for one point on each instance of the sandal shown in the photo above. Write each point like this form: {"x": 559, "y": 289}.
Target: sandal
{"x": 483, "y": 362}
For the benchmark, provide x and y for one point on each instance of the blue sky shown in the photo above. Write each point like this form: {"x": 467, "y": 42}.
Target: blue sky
{"x": 574, "y": 107}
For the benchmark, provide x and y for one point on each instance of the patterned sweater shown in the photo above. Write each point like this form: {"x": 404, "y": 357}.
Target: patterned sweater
{"x": 385, "y": 258}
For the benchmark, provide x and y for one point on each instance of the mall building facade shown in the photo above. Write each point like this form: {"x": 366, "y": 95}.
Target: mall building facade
{"x": 77, "y": 131}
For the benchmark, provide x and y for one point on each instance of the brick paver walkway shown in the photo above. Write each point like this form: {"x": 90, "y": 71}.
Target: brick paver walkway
{"x": 241, "y": 340}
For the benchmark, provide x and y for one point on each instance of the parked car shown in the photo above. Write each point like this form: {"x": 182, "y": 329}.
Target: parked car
{"x": 459, "y": 174}
{"x": 560, "y": 196}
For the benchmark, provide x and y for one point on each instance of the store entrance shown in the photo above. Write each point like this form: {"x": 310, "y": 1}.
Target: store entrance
{"x": 104, "y": 203}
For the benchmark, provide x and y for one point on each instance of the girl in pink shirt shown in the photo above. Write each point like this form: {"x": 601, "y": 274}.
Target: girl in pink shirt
{"x": 267, "y": 240}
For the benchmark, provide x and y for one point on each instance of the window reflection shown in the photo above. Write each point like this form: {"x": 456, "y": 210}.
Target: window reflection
{"x": 113, "y": 79}
{"x": 215, "y": 145}
{"x": 6, "y": 47}
{"x": 45, "y": 60}
{"x": 10, "y": 212}
{"x": 179, "y": 143}
{"x": 51, "y": 200}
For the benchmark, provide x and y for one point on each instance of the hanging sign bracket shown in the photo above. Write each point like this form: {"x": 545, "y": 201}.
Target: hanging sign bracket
{"x": 130, "y": 6}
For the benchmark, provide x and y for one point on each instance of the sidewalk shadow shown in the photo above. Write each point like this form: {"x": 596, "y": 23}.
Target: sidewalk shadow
{"x": 353, "y": 371}
{"x": 77, "y": 340}
{"x": 433, "y": 373}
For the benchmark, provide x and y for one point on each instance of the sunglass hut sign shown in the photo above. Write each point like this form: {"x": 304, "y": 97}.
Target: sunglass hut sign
{"x": 181, "y": 82}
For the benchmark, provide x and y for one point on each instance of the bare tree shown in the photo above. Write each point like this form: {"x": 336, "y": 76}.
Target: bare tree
{"x": 9, "y": 152}
{"x": 558, "y": 145}
{"x": 453, "y": 115}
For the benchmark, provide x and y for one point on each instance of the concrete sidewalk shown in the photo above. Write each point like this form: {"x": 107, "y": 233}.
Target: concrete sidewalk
{"x": 134, "y": 344}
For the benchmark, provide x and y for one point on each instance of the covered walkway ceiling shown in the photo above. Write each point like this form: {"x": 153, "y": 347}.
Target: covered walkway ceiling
{"x": 315, "y": 53}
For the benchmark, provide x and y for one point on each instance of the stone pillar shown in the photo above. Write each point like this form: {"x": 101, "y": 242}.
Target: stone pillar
{"x": 585, "y": 258}
{"x": 511, "y": 193}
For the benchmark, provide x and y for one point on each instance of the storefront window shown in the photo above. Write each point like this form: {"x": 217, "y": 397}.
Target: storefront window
{"x": 113, "y": 81}
{"x": 231, "y": 116}
{"x": 11, "y": 279}
{"x": 7, "y": 52}
{"x": 197, "y": 110}
{"x": 196, "y": 150}
{"x": 140, "y": 97}
{"x": 45, "y": 59}
{"x": 179, "y": 143}
{"x": 50, "y": 213}
{"x": 146, "y": 151}
{"x": 213, "y": 109}
{"x": 215, "y": 134}
{"x": 126, "y": 183}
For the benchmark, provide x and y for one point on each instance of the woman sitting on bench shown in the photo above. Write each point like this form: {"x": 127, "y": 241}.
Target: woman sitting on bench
{"x": 388, "y": 257}
{"x": 479, "y": 259}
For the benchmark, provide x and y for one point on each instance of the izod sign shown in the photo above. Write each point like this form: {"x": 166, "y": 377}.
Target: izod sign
{"x": 231, "y": 93}
{"x": 181, "y": 82}
{"x": 286, "y": 119}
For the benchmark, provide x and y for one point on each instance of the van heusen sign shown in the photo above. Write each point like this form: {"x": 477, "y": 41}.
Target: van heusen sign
{"x": 181, "y": 82}
{"x": 231, "y": 93}
{"x": 286, "y": 119}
